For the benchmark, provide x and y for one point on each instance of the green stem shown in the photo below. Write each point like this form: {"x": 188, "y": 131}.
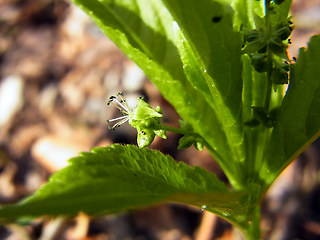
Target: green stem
{"x": 253, "y": 230}
{"x": 184, "y": 132}
{"x": 269, "y": 80}
{"x": 177, "y": 130}
{"x": 269, "y": 59}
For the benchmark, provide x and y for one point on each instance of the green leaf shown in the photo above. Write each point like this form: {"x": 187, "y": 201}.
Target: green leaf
{"x": 119, "y": 178}
{"x": 298, "y": 123}
{"x": 283, "y": 10}
{"x": 144, "y": 31}
{"x": 210, "y": 51}
{"x": 245, "y": 11}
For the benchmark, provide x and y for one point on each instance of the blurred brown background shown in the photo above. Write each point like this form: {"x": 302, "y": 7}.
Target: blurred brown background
{"x": 57, "y": 71}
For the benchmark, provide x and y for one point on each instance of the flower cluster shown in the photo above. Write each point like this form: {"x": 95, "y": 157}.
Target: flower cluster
{"x": 143, "y": 117}
{"x": 267, "y": 44}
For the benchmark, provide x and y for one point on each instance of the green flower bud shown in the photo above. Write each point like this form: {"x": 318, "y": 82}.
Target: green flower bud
{"x": 187, "y": 141}
{"x": 262, "y": 116}
{"x": 283, "y": 31}
{"x": 279, "y": 76}
{"x": 251, "y": 35}
{"x": 259, "y": 62}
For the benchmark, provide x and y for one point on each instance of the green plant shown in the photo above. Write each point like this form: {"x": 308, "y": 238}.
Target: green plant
{"x": 223, "y": 66}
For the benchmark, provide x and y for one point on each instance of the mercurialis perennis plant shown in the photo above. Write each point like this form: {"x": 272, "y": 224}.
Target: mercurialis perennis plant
{"x": 253, "y": 108}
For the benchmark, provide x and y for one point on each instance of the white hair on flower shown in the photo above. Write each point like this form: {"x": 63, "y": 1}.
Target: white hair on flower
{"x": 123, "y": 107}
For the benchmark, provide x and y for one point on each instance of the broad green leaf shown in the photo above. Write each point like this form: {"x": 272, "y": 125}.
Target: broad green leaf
{"x": 244, "y": 13}
{"x": 281, "y": 12}
{"x": 215, "y": 46}
{"x": 143, "y": 30}
{"x": 284, "y": 9}
{"x": 298, "y": 124}
{"x": 119, "y": 178}
{"x": 210, "y": 51}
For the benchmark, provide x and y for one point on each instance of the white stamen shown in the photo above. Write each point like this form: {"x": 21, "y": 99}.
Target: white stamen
{"x": 120, "y": 123}
{"x": 123, "y": 101}
{"x": 116, "y": 119}
{"x": 125, "y": 108}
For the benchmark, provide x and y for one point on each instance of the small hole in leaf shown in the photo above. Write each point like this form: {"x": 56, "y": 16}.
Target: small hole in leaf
{"x": 216, "y": 19}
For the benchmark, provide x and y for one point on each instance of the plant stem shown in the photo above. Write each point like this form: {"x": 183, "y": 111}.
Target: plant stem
{"x": 269, "y": 80}
{"x": 253, "y": 230}
{"x": 190, "y": 133}
{"x": 269, "y": 59}
{"x": 177, "y": 130}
